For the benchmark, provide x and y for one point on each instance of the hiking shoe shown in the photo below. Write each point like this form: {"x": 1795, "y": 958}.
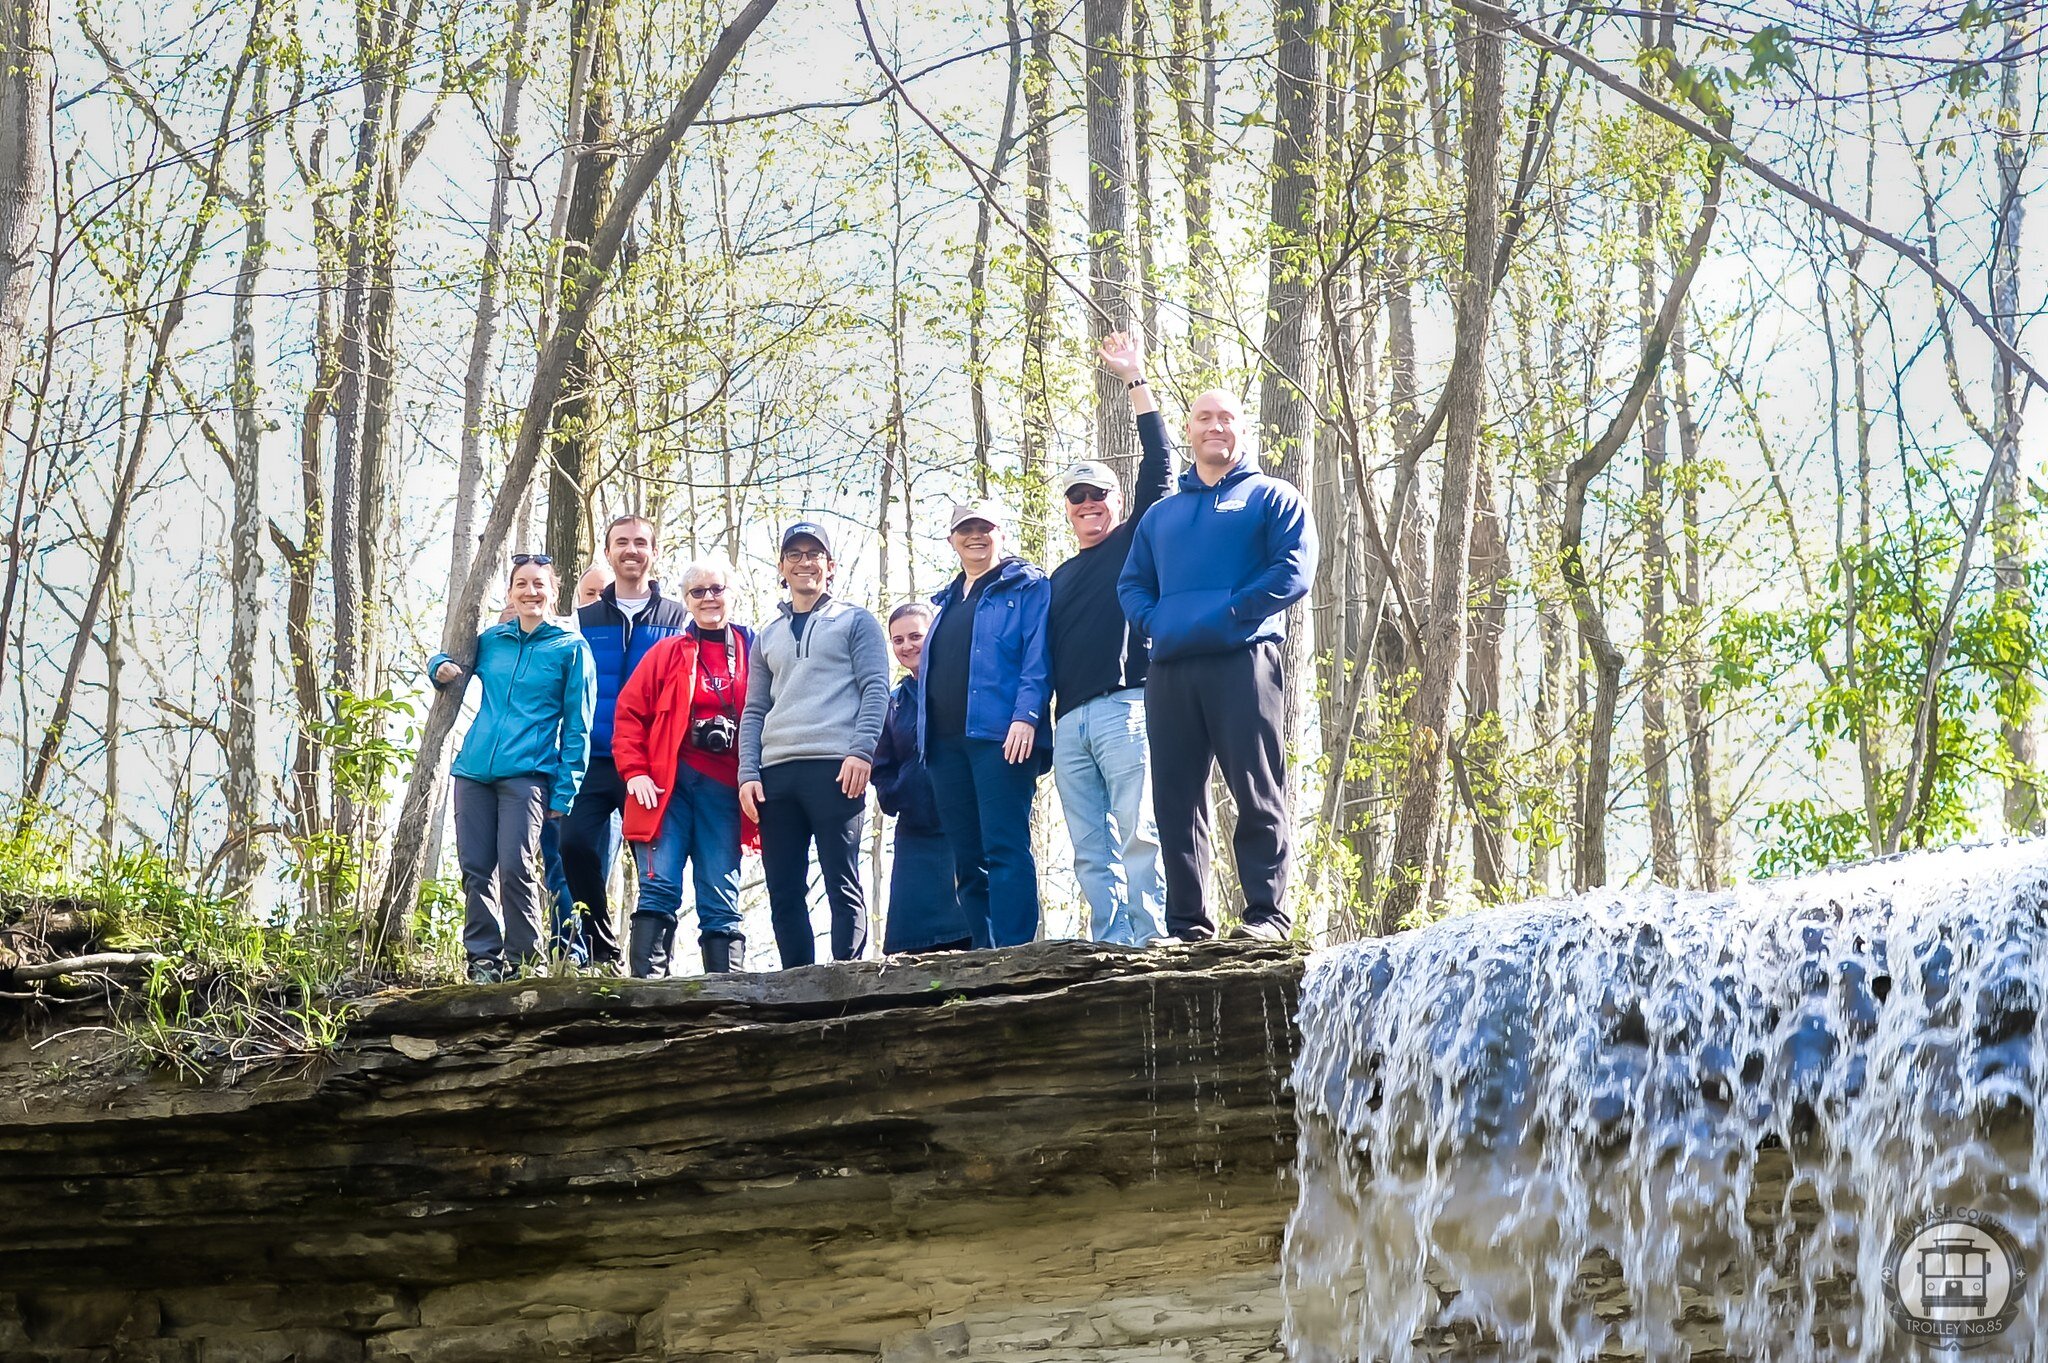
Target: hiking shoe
{"x": 486, "y": 970}
{"x": 1265, "y": 930}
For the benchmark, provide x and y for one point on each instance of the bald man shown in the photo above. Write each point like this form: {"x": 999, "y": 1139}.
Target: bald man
{"x": 1211, "y": 573}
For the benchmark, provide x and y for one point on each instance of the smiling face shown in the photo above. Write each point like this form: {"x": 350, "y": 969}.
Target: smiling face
{"x": 532, "y": 592}
{"x": 806, "y": 567}
{"x": 591, "y": 585}
{"x": 629, "y": 548}
{"x": 709, "y": 598}
{"x": 906, "y": 638}
{"x": 1215, "y": 429}
{"x": 1099, "y": 512}
{"x": 978, "y": 543}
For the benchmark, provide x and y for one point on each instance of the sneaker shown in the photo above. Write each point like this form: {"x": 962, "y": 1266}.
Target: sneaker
{"x": 1265, "y": 930}
{"x": 486, "y": 970}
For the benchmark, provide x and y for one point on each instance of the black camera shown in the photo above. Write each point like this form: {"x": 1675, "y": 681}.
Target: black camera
{"x": 717, "y": 734}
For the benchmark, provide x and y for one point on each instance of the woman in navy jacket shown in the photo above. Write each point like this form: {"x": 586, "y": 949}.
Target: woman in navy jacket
{"x": 985, "y": 725}
{"x": 924, "y": 912}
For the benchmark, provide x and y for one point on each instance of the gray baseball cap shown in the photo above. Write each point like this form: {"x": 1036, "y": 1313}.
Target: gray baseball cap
{"x": 1088, "y": 473}
{"x": 797, "y": 530}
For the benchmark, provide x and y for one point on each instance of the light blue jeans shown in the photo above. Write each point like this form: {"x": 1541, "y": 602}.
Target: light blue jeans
{"x": 701, "y": 826}
{"x": 1104, "y": 775}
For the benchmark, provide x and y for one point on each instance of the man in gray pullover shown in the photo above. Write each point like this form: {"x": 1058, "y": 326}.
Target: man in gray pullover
{"x": 817, "y": 697}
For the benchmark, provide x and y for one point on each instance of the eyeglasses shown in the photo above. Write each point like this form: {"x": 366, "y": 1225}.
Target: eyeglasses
{"x": 700, "y": 593}
{"x": 1078, "y": 495}
{"x": 804, "y": 555}
{"x": 538, "y": 560}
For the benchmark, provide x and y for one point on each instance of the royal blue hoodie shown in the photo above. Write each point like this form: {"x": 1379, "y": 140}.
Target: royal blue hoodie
{"x": 1214, "y": 569}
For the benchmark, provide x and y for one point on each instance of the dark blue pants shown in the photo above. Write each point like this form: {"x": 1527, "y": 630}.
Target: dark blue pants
{"x": 985, "y": 808}
{"x": 566, "y": 937}
{"x": 924, "y": 910}
{"x": 802, "y": 805}
{"x": 590, "y": 844}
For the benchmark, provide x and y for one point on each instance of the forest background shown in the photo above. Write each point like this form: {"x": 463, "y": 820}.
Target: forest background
{"x": 1657, "y": 376}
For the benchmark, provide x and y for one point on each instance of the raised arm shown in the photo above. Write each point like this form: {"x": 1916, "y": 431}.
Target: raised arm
{"x": 1122, "y": 356}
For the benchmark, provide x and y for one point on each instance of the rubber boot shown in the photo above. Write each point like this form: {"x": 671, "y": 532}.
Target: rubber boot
{"x": 651, "y": 937}
{"x": 724, "y": 952}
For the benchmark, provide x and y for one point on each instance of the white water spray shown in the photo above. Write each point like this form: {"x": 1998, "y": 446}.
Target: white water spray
{"x": 1655, "y": 1124}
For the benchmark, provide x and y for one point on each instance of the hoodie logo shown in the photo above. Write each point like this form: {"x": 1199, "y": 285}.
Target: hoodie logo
{"x": 1237, "y": 505}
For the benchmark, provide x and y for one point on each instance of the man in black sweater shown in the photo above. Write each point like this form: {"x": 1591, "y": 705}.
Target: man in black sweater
{"x": 1100, "y": 761}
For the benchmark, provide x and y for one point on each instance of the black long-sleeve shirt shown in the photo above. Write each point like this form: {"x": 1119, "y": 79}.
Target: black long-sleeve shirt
{"x": 1094, "y": 649}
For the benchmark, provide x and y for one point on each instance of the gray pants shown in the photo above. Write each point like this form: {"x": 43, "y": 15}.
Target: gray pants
{"x": 497, "y": 837}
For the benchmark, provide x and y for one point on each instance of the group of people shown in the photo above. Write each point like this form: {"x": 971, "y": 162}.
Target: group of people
{"x": 1152, "y": 653}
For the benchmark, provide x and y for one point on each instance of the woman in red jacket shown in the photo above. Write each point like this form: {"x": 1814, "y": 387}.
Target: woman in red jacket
{"x": 675, "y": 738}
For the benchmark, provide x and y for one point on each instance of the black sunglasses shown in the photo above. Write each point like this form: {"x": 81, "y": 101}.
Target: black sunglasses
{"x": 1077, "y": 495}
{"x": 539, "y": 560}
{"x": 699, "y": 593}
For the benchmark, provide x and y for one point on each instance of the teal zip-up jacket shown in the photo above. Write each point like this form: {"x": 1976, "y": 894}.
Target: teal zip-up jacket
{"x": 540, "y": 691}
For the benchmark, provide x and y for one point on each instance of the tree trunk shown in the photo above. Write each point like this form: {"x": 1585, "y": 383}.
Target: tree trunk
{"x": 1664, "y": 865}
{"x": 2011, "y": 544}
{"x": 593, "y": 24}
{"x": 1194, "y": 40}
{"x": 1108, "y": 27}
{"x": 977, "y": 268}
{"x": 26, "y": 80}
{"x": 483, "y": 336}
{"x": 1039, "y": 320}
{"x": 1706, "y": 824}
{"x": 409, "y": 832}
{"x": 110, "y": 731}
{"x": 1415, "y": 829}
{"x": 1141, "y": 159}
{"x": 1485, "y": 735}
{"x": 245, "y": 530}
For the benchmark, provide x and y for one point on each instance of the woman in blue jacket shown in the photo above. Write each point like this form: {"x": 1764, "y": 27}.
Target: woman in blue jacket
{"x": 985, "y": 727}
{"x": 520, "y": 765}
{"x": 924, "y": 910}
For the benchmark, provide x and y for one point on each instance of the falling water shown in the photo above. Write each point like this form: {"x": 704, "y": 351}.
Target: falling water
{"x": 1647, "y": 1123}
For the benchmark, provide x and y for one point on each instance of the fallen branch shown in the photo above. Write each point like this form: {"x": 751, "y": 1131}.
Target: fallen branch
{"x": 98, "y": 962}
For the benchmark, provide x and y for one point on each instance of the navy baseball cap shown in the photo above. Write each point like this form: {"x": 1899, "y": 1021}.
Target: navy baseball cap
{"x": 797, "y": 530}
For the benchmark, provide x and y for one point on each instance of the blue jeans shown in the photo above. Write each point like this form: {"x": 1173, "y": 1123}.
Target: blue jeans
{"x": 701, "y": 826}
{"x": 985, "y": 808}
{"x": 567, "y": 934}
{"x": 1100, "y": 764}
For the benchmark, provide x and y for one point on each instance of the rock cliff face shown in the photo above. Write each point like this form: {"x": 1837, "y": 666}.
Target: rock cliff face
{"x": 1071, "y": 1151}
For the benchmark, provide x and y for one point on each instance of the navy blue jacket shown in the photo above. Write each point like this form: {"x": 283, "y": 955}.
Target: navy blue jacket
{"x": 1214, "y": 569}
{"x": 902, "y": 787}
{"x": 1009, "y": 677}
{"x": 617, "y": 645}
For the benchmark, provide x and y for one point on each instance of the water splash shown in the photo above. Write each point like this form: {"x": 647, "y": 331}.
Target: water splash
{"x": 1652, "y": 1123}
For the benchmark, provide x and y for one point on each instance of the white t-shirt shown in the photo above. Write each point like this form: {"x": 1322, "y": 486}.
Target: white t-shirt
{"x": 631, "y": 608}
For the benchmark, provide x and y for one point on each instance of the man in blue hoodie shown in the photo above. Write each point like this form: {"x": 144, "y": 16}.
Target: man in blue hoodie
{"x": 627, "y": 620}
{"x": 1211, "y": 573}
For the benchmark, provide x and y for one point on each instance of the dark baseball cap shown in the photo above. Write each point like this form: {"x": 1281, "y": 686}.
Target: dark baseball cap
{"x": 797, "y": 530}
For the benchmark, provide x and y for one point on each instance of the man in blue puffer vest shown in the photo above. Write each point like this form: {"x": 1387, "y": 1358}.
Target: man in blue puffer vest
{"x": 627, "y": 620}
{"x": 1212, "y": 571}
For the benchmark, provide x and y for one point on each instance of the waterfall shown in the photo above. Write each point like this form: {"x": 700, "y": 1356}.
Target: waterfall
{"x": 1663, "y": 1124}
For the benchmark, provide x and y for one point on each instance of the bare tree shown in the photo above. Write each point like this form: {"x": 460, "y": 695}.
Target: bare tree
{"x": 1108, "y": 32}
{"x": 1416, "y": 826}
{"x": 26, "y": 76}
{"x": 594, "y": 276}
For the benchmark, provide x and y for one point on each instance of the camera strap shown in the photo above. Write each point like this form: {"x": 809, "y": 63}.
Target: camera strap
{"x": 732, "y": 668}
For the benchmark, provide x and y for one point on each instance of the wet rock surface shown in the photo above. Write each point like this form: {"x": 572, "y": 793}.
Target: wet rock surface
{"x": 1065, "y": 1151}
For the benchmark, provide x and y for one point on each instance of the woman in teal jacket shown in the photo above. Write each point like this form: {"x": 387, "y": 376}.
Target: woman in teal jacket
{"x": 519, "y": 766}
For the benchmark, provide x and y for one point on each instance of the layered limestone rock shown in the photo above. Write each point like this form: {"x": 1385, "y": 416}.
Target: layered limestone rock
{"x": 1066, "y": 1151}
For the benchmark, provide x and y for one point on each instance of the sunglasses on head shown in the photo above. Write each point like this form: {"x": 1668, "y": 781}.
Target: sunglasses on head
{"x": 701, "y": 593}
{"x": 1083, "y": 493}
{"x": 539, "y": 560}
